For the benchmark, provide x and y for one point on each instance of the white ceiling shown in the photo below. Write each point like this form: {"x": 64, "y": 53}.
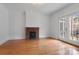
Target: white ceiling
{"x": 48, "y": 8}
{"x": 45, "y": 8}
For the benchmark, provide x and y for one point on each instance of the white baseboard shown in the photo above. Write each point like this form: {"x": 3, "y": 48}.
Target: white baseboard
{"x": 43, "y": 36}
{"x": 71, "y": 42}
{"x": 3, "y": 41}
{"x": 16, "y": 38}
{"x": 54, "y": 37}
{"x": 76, "y": 43}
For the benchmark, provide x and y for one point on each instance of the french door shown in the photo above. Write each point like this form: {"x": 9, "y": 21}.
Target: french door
{"x": 62, "y": 28}
{"x": 75, "y": 28}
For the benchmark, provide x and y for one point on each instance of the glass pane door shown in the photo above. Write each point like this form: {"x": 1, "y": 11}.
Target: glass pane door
{"x": 61, "y": 28}
{"x": 75, "y": 28}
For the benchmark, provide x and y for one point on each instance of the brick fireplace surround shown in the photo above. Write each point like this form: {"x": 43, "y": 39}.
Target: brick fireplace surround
{"x": 29, "y": 30}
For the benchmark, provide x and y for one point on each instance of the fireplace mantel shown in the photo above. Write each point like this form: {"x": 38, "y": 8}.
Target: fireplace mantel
{"x": 28, "y": 30}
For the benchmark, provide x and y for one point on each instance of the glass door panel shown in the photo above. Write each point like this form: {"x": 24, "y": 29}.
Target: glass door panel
{"x": 61, "y": 28}
{"x": 75, "y": 28}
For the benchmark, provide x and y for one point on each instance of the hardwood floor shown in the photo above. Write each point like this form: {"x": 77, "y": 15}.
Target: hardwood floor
{"x": 38, "y": 47}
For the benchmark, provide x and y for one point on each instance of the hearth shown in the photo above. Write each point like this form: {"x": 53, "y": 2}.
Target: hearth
{"x": 32, "y": 32}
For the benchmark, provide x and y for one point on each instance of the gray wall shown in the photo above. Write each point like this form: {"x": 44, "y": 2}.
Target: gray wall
{"x": 17, "y": 21}
{"x": 4, "y": 26}
{"x": 36, "y": 19}
{"x": 16, "y": 24}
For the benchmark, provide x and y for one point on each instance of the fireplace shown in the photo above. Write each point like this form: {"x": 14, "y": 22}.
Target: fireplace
{"x": 32, "y": 35}
{"x": 32, "y": 32}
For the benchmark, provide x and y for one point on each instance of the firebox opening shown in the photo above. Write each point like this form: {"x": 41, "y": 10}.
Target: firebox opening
{"x": 32, "y": 35}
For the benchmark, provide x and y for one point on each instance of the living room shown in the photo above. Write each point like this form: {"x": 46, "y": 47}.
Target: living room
{"x": 39, "y": 27}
